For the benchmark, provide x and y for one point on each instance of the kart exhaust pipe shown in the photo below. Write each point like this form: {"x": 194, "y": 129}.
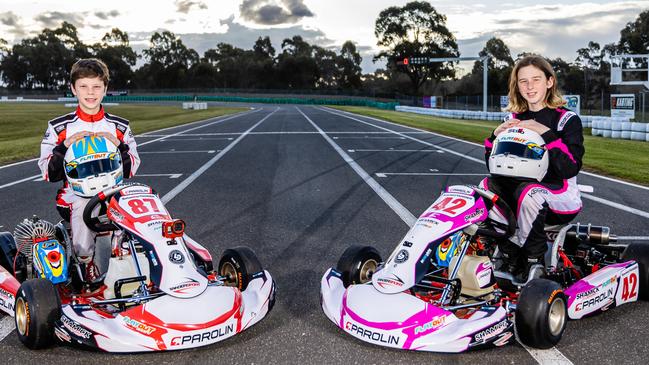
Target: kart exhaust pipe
{"x": 589, "y": 234}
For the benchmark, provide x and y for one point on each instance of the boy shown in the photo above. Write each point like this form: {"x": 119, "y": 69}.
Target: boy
{"x": 88, "y": 82}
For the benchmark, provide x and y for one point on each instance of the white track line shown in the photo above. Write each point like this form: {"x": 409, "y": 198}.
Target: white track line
{"x": 385, "y": 174}
{"x": 398, "y": 208}
{"x": 393, "y": 150}
{"x": 393, "y": 203}
{"x": 171, "y": 176}
{"x": 549, "y": 356}
{"x": 18, "y": 163}
{"x": 7, "y": 325}
{"x": 619, "y": 206}
{"x": 185, "y": 183}
{"x": 20, "y": 181}
{"x": 174, "y": 151}
{"x": 333, "y": 111}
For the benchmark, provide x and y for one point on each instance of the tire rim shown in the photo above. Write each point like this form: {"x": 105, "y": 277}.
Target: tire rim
{"x": 557, "y": 316}
{"x": 21, "y": 316}
{"x": 230, "y": 272}
{"x": 367, "y": 270}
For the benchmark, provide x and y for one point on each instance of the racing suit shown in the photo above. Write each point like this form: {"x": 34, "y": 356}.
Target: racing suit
{"x": 51, "y": 163}
{"x": 554, "y": 200}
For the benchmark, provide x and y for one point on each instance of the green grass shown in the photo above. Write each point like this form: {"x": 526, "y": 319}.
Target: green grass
{"x": 628, "y": 160}
{"x": 23, "y": 125}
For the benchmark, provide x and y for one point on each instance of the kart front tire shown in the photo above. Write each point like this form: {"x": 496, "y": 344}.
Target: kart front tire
{"x": 37, "y": 308}
{"x": 640, "y": 254}
{"x": 238, "y": 265}
{"x": 541, "y": 314}
{"x": 357, "y": 264}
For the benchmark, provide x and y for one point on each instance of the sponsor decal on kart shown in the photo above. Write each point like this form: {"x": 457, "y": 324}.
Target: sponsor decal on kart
{"x": 402, "y": 256}
{"x": 176, "y": 257}
{"x": 179, "y": 288}
{"x": 472, "y": 216}
{"x": 138, "y": 326}
{"x": 596, "y": 300}
{"x": 492, "y": 331}
{"x": 75, "y": 328}
{"x": 7, "y": 299}
{"x": 383, "y": 282}
{"x": 437, "y": 322}
{"x": 203, "y": 337}
{"x": 483, "y": 274}
{"x": 371, "y": 334}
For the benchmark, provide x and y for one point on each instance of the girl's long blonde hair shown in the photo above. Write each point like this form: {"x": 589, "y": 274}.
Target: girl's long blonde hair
{"x": 553, "y": 98}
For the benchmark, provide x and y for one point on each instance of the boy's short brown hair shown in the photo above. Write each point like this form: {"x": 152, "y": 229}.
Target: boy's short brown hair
{"x": 89, "y": 67}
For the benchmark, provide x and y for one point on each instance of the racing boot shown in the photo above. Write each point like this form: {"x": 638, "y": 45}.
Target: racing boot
{"x": 512, "y": 258}
{"x": 90, "y": 270}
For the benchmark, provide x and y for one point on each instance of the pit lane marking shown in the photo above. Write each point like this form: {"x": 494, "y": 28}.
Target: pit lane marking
{"x": 7, "y": 325}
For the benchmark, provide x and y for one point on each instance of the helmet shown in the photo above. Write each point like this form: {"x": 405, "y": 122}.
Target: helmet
{"x": 519, "y": 152}
{"x": 91, "y": 165}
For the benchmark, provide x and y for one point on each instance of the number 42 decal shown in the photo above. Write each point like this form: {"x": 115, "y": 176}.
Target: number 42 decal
{"x": 630, "y": 287}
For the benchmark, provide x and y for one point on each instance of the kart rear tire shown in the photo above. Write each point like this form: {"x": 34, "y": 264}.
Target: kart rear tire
{"x": 8, "y": 253}
{"x": 357, "y": 264}
{"x": 640, "y": 254}
{"x": 541, "y": 314}
{"x": 239, "y": 264}
{"x": 37, "y": 307}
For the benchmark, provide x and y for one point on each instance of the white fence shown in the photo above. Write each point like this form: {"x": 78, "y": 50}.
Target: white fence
{"x": 601, "y": 126}
{"x": 195, "y": 106}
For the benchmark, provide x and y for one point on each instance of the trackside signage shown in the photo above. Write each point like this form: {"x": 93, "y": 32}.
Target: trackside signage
{"x": 623, "y": 106}
{"x": 573, "y": 102}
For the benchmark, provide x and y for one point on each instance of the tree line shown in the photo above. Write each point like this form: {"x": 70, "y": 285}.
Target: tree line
{"x": 44, "y": 61}
{"x": 416, "y": 29}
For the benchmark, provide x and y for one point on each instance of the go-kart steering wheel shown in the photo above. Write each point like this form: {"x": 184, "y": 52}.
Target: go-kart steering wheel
{"x": 491, "y": 199}
{"x": 95, "y": 223}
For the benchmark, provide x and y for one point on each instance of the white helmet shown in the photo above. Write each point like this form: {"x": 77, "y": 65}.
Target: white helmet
{"x": 91, "y": 165}
{"x": 519, "y": 152}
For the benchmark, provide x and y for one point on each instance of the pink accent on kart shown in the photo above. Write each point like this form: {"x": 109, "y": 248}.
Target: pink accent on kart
{"x": 487, "y": 143}
{"x": 581, "y": 286}
{"x": 558, "y": 144}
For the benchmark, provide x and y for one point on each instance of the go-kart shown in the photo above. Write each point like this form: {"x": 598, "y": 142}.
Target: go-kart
{"x": 159, "y": 292}
{"x": 442, "y": 290}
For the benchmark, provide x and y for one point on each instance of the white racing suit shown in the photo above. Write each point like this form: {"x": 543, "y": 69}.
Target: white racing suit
{"x": 51, "y": 163}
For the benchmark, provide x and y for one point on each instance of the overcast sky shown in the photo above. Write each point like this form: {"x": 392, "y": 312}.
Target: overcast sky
{"x": 551, "y": 28}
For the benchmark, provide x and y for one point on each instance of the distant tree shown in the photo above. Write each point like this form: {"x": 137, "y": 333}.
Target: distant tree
{"x": 43, "y": 61}
{"x": 169, "y": 61}
{"x": 500, "y": 66}
{"x": 264, "y": 63}
{"x": 349, "y": 65}
{"x": 415, "y": 30}
{"x": 115, "y": 50}
{"x": 327, "y": 67}
{"x": 634, "y": 38}
{"x": 296, "y": 66}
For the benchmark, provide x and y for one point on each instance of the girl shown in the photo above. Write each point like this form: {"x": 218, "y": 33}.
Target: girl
{"x": 536, "y": 104}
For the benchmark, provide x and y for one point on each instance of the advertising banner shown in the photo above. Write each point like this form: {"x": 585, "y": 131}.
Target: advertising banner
{"x": 573, "y": 102}
{"x": 623, "y": 106}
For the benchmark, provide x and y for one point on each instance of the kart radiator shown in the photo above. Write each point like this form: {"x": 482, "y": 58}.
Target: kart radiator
{"x": 30, "y": 231}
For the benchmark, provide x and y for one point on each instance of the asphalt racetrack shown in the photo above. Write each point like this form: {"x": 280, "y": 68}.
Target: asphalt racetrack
{"x": 299, "y": 184}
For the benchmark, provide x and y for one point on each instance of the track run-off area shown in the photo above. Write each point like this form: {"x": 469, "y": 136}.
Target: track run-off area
{"x": 298, "y": 185}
